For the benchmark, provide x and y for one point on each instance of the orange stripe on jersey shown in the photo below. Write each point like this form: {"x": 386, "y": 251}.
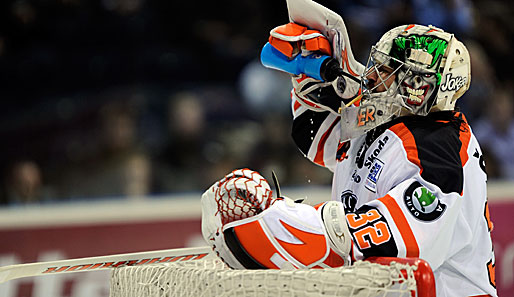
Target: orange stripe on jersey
{"x": 464, "y": 136}
{"x": 256, "y": 243}
{"x": 312, "y": 248}
{"x": 319, "y": 158}
{"x": 403, "y": 226}
{"x": 296, "y": 105}
{"x": 408, "y": 143}
{"x": 490, "y": 225}
{"x": 317, "y": 206}
{"x": 307, "y": 102}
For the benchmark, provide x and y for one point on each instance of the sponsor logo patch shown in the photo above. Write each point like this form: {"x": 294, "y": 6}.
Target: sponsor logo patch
{"x": 423, "y": 204}
{"x": 355, "y": 177}
{"x": 453, "y": 83}
{"x": 349, "y": 201}
{"x": 374, "y": 174}
{"x": 361, "y": 154}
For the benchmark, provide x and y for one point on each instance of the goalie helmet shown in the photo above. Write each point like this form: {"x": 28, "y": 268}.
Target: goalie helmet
{"x": 412, "y": 69}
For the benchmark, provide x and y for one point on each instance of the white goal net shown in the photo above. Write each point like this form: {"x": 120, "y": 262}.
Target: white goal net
{"x": 210, "y": 277}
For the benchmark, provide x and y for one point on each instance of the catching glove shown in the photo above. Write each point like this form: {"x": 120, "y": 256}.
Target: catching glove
{"x": 249, "y": 229}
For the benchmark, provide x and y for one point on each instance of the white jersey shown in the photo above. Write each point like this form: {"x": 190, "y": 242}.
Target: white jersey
{"x": 415, "y": 187}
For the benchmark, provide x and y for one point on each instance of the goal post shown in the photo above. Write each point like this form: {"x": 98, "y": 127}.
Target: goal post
{"x": 423, "y": 274}
{"x": 378, "y": 276}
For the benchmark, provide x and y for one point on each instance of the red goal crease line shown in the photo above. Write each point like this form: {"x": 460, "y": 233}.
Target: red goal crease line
{"x": 103, "y": 262}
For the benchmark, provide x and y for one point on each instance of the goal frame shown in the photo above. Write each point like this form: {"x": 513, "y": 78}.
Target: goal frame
{"x": 423, "y": 275}
{"x": 378, "y": 276}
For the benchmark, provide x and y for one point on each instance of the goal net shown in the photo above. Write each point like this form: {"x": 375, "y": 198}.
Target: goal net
{"x": 211, "y": 277}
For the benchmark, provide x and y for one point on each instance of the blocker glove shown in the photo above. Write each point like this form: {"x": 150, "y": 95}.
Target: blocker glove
{"x": 328, "y": 87}
{"x": 292, "y": 39}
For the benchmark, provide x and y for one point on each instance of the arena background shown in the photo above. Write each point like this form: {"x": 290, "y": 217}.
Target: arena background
{"x": 116, "y": 114}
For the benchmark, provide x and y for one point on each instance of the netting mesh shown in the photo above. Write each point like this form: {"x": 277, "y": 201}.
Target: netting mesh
{"x": 213, "y": 278}
{"x": 241, "y": 194}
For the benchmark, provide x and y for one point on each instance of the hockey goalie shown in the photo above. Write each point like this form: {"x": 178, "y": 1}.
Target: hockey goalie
{"x": 409, "y": 177}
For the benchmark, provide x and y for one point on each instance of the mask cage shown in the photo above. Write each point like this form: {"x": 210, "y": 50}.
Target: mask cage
{"x": 379, "y": 62}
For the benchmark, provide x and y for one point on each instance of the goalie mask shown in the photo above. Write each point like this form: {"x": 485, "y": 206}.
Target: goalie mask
{"x": 412, "y": 69}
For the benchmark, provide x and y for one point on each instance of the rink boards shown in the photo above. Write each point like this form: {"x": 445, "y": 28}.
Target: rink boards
{"x": 80, "y": 229}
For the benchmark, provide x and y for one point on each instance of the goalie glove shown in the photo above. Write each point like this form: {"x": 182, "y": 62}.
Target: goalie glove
{"x": 306, "y": 54}
{"x": 319, "y": 26}
{"x": 292, "y": 39}
{"x": 247, "y": 228}
{"x": 240, "y": 194}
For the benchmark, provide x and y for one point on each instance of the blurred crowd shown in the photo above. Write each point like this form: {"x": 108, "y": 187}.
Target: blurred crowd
{"x": 138, "y": 98}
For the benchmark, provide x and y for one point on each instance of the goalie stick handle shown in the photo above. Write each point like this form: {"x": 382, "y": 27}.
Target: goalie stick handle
{"x": 103, "y": 262}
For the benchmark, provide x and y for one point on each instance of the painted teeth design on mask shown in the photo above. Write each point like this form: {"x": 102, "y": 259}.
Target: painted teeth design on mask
{"x": 415, "y": 99}
{"x": 416, "y": 96}
{"x": 415, "y": 92}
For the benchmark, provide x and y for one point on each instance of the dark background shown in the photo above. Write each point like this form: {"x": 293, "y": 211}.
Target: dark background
{"x": 125, "y": 98}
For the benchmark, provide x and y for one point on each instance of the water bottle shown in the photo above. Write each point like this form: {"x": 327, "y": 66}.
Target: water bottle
{"x": 320, "y": 67}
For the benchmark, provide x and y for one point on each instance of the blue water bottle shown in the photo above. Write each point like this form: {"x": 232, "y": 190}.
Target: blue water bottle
{"x": 320, "y": 67}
